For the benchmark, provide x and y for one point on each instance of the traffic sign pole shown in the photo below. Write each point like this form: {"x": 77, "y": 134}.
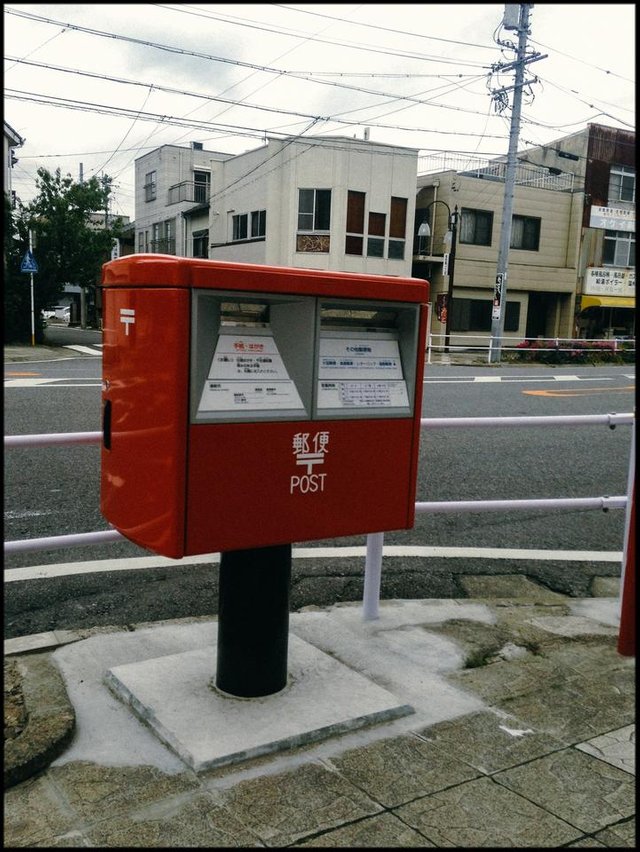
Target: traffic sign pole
{"x": 33, "y": 307}
{"x": 29, "y": 265}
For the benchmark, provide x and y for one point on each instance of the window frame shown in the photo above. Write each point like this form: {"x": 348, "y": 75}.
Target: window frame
{"x": 200, "y": 239}
{"x": 531, "y": 227}
{"x": 200, "y": 187}
{"x": 150, "y": 186}
{"x": 397, "y": 227}
{"x": 320, "y": 211}
{"x": 238, "y": 232}
{"x": 627, "y": 177}
{"x": 614, "y": 248}
{"x": 258, "y": 224}
{"x": 376, "y": 231}
{"x": 354, "y": 236}
{"x": 471, "y": 216}
{"x": 163, "y": 239}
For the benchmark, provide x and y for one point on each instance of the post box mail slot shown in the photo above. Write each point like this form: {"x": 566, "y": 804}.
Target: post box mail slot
{"x": 248, "y": 406}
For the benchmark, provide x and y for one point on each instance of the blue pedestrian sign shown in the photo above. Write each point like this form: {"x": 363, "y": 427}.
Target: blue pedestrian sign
{"x": 29, "y": 263}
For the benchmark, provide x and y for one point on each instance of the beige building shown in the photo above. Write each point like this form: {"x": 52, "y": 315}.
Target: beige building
{"x": 359, "y": 206}
{"x": 571, "y": 265}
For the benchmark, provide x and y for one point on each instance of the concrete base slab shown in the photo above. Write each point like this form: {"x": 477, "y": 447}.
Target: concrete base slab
{"x": 174, "y": 695}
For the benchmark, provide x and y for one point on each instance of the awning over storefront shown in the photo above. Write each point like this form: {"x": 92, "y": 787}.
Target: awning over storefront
{"x": 607, "y": 302}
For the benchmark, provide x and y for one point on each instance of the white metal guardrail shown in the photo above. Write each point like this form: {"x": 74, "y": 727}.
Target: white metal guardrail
{"x": 375, "y": 541}
{"x": 471, "y": 342}
{"x": 612, "y": 420}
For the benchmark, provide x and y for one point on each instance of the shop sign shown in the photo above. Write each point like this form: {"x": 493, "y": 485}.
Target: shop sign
{"x": 612, "y": 218}
{"x": 608, "y": 281}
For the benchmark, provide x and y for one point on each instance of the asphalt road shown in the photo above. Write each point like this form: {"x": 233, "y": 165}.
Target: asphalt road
{"x": 54, "y": 491}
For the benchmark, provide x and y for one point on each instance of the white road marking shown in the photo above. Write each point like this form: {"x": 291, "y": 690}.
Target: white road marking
{"x": 65, "y": 569}
{"x": 514, "y": 380}
{"x": 49, "y": 383}
{"x": 86, "y": 350}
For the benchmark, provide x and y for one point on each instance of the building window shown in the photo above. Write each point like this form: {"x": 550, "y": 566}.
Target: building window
{"x": 476, "y": 227}
{"x": 354, "y": 240}
{"x": 622, "y": 184}
{"x": 201, "y": 186}
{"x": 258, "y": 223}
{"x": 397, "y": 228}
{"x": 619, "y": 248}
{"x": 475, "y": 315}
{"x": 201, "y": 243}
{"x": 150, "y": 187}
{"x": 375, "y": 240}
{"x": 143, "y": 242}
{"x": 525, "y": 233}
{"x": 163, "y": 238}
{"x": 314, "y": 210}
{"x": 239, "y": 227}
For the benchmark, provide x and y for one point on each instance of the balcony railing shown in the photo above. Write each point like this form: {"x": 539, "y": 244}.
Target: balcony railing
{"x": 189, "y": 190}
{"x": 165, "y": 246}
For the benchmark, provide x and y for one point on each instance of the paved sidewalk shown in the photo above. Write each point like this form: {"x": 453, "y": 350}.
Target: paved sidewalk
{"x": 16, "y": 354}
{"x": 519, "y": 732}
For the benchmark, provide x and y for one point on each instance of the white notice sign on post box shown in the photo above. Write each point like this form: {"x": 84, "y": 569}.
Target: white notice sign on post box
{"x": 247, "y": 373}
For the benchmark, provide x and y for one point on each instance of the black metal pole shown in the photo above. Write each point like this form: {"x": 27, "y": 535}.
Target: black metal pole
{"x": 452, "y": 263}
{"x": 253, "y": 621}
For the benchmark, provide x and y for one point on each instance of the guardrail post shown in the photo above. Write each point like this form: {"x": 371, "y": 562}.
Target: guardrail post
{"x": 372, "y": 575}
{"x": 627, "y": 632}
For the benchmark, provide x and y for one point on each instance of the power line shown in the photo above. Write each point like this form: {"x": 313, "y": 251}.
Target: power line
{"x": 383, "y": 29}
{"x": 238, "y": 130}
{"x": 352, "y": 46}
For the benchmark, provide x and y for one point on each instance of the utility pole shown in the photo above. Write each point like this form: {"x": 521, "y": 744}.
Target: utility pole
{"x": 500, "y": 290}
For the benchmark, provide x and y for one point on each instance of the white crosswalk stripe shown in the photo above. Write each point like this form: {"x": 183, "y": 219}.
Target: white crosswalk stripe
{"x": 94, "y": 349}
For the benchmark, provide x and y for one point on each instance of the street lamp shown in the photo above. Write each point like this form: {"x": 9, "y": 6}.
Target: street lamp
{"x": 449, "y": 259}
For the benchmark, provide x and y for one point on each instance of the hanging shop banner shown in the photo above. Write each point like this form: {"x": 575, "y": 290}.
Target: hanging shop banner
{"x": 612, "y": 218}
{"x": 609, "y": 281}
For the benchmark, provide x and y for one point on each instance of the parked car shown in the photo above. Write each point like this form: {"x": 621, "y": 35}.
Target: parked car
{"x": 61, "y": 313}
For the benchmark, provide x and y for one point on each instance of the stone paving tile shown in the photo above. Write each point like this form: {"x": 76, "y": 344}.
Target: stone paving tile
{"x": 621, "y": 835}
{"x": 617, "y": 748}
{"x": 281, "y": 809}
{"x": 174, "y": 823}
{"x": 483, "y": 813}
{"x": 573, "y": 625}
{"x": 586, "y": 842}
{"x": 97, "y": 792}
{"x": 577, "y": 711}
{"x": 385, "y": 830}
{"x": 502, "y": 586}
{"x": 585, "y": 792}
{"x": 397, "y": 770}
{"x": 578, "y": 658}
{"x": 35, "y": 815}
{"x": 489, "y": 741}
{"x": 605, "y": 587}
{"x": 510, "y": 679}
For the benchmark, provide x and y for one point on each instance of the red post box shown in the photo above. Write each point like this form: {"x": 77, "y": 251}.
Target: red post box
{"x": 248, "y": 406}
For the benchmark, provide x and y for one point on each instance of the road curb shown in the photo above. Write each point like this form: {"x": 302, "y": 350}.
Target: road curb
{"x": 50, "y": 718}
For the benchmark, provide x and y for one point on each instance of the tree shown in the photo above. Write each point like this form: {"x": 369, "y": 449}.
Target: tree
{"x": 68, "y": 246}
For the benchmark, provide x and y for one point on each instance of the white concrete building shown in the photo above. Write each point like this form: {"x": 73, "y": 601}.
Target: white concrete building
{"x": 11, "y": 140}
{"x": 315, "y": 202}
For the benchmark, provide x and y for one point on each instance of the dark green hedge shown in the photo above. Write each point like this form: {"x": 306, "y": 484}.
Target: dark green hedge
{"x": 575, "y": 352}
